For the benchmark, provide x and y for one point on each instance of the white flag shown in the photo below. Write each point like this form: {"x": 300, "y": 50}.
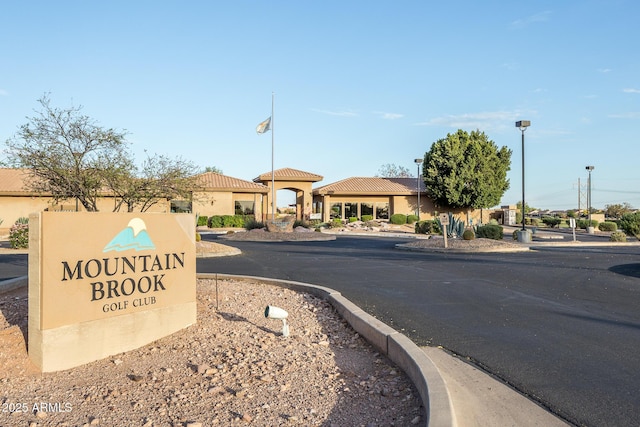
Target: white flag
{"x": 264, "y": 126}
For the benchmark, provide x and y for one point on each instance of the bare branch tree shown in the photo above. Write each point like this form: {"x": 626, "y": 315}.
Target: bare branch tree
{"x": 67, "y": 153}
{"x": 391, "y": 170}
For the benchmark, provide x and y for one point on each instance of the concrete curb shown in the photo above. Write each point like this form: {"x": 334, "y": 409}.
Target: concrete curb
{"x": 401, "y": 246}
{"x": 230, "y": 252}
{"x": 396, "y": 346}
{"x": 15, "y": 283}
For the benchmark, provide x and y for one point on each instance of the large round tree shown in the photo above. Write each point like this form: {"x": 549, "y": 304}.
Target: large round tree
{"x": 466, "y": 170}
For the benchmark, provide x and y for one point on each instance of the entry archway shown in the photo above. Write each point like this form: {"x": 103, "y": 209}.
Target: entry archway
{"x": 294, "y": 180}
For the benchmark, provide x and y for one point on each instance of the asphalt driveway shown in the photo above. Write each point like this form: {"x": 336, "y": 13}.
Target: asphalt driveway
{"x": 562, "y": 326}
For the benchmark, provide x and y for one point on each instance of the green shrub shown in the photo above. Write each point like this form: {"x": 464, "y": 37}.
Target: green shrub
{"x": 551, "y": 221}
{"x": 412, "y": 218}
{"x": 220, "y": 221}
{"x": 429, "y": 226}
{"x": 202, "y": 220}
{"x": 214, "y": 221}
{"x": 312, "y": 223}
{"x": 366, "y": 218}
{"x": 353, "y": 219}
{"x": 252, "y": 223}
{"x": 335, "y": 223}
{"x": 630, "y": 224}
{"x": 398, "y": 219}
{"x": 198, "y": 237}
{"x": 491, "y": 231}
{"x": 584, "y": 223}
{"x": 515, "y": 234}
{"x": 607, "y": 226}
{"x": 468, "y": 234}
{"x": 19, "y": 234}
{"x": 618, "y": 236}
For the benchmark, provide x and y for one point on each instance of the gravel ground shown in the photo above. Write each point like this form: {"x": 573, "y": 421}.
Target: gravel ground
{"x": 260, "y": 235}
{"x": 471, "y": 245}
{"x": 232, "y": 368}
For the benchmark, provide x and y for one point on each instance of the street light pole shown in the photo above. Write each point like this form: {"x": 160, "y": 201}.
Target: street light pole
{"x": 589, "y": 168}
{"x": 418, "y": 162}
{"x": 523, "y": 125}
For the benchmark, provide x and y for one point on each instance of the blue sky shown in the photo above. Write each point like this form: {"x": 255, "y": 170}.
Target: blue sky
{"x": 357, "y": 84}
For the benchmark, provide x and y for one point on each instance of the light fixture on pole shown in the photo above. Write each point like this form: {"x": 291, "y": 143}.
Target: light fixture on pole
{"x": 523, "y": 125}
{"x": 418, "y": 162}
{"x": 589, "y": 168}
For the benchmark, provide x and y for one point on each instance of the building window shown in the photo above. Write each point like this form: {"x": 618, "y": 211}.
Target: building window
{"x": 382, "y": 210}
{"x": 336, "y": 210}
{"x": 366, "y": 209}
{"x": 350, "y": 210}
{"x": 180, "y": 206}
{"x": 244, "y": 208}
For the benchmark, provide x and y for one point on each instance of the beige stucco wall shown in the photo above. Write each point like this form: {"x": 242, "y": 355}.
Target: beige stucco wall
{"x": 210, "y": 203}
{"x": 14, "y": 207}
{"x": 407, "y": 205}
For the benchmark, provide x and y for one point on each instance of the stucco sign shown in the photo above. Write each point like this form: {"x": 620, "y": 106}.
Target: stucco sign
{"x": 110, "y": 271}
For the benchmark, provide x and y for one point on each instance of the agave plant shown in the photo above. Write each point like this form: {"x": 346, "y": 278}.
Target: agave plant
{"x": 454, "y": 229}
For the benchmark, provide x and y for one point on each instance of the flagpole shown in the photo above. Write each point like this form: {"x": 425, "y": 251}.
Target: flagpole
{"x": 273, "y": 178}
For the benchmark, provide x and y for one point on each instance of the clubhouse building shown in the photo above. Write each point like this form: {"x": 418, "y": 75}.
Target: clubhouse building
{"x": 218, "y": 194}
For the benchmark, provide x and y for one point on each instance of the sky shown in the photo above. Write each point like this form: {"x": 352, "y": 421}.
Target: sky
{"x": 356, "y": 84}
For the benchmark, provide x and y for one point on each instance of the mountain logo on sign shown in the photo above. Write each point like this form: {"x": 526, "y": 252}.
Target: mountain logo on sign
{"x": 135, "y": 236}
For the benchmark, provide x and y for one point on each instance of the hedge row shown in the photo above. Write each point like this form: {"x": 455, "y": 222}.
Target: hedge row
{"x": 400, "y": 219}
{"x": 226, "y": 221}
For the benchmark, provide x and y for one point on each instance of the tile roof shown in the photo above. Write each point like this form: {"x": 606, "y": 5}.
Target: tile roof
{"x": 359, "y": 185}
{"x": 288, "y": 174}
{"x": 14, "y": 182}
{"x": 216, "y": 181}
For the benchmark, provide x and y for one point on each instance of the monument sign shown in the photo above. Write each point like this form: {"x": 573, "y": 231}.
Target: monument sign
{"x": 105, "y": 283}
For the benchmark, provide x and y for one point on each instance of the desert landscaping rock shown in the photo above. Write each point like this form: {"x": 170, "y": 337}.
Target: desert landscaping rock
{"x": 233, "y": 367}
{"x": 475, "y": 245}
{"x": 260, "y": 235}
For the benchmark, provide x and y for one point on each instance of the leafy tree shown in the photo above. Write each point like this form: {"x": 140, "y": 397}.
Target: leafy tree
{"x": 617, "y": 210}
{"x": 630, "y": 223}
{"x": 391, "y": 170}
{"x": 466, "y": 171}
{"x": 213, "y": 169}
{"x": 552, "y": 221}
{"x": 527, "y": 208}
{"x": 67, "y": 153}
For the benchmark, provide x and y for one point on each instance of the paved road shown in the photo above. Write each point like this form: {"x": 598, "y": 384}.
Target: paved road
{"x": 560, "y": 325}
